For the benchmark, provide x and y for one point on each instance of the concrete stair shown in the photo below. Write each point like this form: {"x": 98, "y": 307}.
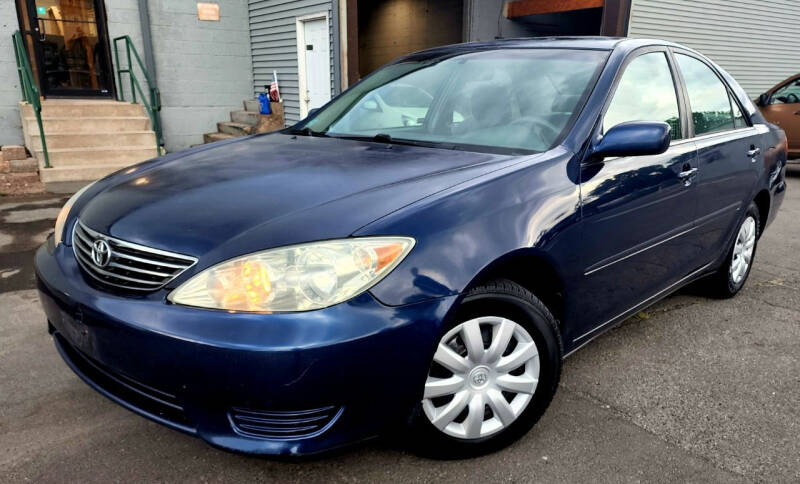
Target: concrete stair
{"x": 247, "y": 121}
{"x": 87, "y": 139}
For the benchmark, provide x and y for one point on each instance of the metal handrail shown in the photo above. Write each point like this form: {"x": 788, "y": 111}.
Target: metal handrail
{"x": 30, "y": 92}
{"x": 153, "y": 106}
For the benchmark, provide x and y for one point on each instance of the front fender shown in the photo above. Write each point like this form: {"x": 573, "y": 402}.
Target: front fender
{"x": 533, "y": 205}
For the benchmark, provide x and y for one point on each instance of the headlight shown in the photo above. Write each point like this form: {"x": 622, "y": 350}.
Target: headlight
{"x": 61, "y": 220}
{"x": 296, "y": 278}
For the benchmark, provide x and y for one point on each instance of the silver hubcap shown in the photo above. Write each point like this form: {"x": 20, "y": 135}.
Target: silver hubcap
{"x": 743, "y": 250}
{"x": 483, "y": 376}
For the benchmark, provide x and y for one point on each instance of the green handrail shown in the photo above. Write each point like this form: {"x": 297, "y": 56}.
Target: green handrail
{"x": 153, "y": 106}
{"x": 30, "y": 92}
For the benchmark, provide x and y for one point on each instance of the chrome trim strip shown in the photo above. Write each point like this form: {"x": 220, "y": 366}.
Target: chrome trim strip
{"x": 82, "y": 243}
{"x": 136, "y": 269}
{"x": 143, "y": 248}
{"x": 638, "y": 307}
{"x": 610, "y": 263}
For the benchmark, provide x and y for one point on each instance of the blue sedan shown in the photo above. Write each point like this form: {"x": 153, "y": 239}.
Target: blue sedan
{"x": 419, "y": 255}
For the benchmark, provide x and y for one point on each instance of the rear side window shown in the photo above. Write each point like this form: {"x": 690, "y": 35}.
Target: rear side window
{"x": 646, "y": 92}
{"x": 708, "y": 96}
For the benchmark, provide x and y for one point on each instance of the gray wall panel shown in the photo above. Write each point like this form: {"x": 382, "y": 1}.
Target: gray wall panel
{"x": 757, "y": 41}
{"x": 273, "y": 43}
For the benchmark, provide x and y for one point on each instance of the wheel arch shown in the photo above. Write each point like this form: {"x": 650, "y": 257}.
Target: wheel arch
{"x": 531, "y": 270}
{"x": 762, "y": 201}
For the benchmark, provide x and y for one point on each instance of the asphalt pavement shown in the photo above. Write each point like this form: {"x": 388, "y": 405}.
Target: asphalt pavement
{"x": 692, "y": 389}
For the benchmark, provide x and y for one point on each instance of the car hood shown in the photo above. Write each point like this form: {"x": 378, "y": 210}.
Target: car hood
{"x": 268, "y": 191}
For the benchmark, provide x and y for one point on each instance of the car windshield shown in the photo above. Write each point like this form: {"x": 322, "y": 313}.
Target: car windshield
{"x": 505, "y": 100}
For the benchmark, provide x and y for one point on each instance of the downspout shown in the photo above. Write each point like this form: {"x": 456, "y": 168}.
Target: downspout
{"x": 149, "y": 59}
{"x": 337, "y": 51}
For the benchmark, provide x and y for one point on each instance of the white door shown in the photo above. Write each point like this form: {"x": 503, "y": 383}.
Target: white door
{"x": 317, "y": 63}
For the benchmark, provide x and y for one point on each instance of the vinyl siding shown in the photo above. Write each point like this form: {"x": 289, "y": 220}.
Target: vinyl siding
{"x": 756, "y": 41}
{"x": 273, "y": 43}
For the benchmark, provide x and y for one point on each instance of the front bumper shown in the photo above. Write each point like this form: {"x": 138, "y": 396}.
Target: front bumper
{"x": 280, "y": 384}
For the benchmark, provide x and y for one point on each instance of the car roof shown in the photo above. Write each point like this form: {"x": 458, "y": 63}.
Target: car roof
{"x": 584, "y": 42}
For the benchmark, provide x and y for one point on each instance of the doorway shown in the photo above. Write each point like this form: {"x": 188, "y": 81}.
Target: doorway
{"x": 313, "y": 52}
{"x": 70, "y": 47}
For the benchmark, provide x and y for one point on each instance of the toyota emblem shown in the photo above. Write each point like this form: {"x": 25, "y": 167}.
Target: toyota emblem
{"x": 101, "y": 253}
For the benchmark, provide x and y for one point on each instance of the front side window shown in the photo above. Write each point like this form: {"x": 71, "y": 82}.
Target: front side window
{"x": 520, "y": 100}
{"x": 646, "y": 92}
{"x": 708, "y": 96}
{"x": 787, "y": 94}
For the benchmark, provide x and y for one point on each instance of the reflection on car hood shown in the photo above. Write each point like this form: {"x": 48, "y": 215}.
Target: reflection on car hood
{"x": 273, "y": 190}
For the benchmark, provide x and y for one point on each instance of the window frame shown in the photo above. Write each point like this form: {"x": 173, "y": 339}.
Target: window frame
{"x": 732, "y": 97}
{"x": 679, "y": 92}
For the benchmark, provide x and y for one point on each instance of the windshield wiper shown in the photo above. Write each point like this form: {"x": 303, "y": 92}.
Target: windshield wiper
{"x": 308, "y": 132}
{"x": 387, "y": 138}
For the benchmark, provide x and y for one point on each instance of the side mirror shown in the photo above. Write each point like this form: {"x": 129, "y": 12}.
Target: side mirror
{"x": 763, "y": 100}
{"x": 312, "y": 111}
{"x": 635, "y": 138}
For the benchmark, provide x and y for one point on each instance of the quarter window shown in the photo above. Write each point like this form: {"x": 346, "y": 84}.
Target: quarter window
{"x": 708, "y": 96}
{"x": 646, "y": 92}
{"x": 738, "y": 117}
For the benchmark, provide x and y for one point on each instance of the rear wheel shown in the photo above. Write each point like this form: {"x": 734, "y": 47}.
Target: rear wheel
{"x": 731, "y": 277}
{"x": 493, "y": 374}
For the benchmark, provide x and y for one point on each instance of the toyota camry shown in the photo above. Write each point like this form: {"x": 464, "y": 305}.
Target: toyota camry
{"x": 419, "y": 255}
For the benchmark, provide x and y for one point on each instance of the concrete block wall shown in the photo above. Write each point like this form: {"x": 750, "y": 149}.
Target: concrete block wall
{"x": 123, "y": 19}
{"x": 203, "y": 68}
{"x": 10, "y": 124}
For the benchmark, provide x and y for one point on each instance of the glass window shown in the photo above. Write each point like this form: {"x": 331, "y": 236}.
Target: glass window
{"x": 646, "y": 92}
{"x": 509, "y": 99}
{"x": 738, "y": 117}
{"x": 788, "y": 94}
{"x": 708, "y": 96}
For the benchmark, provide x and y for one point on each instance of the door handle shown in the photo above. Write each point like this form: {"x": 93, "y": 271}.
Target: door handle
{"x": 754, "y": 152}
{"x": 687, "y": 175}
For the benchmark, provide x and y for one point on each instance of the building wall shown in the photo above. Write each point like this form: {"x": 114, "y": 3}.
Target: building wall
{"x": 10, "y": 127}
{"x": 392, "y": 28}
{"x": 204, "y": 68}
{"x": 484, "y": 20}
{"x": 757, "y": 41}
{"x": 273, "y": 41}
{"x": 123, "y": 19}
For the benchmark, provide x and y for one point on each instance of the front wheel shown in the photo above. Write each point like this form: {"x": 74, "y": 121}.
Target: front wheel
{"x": 493, "y": 374}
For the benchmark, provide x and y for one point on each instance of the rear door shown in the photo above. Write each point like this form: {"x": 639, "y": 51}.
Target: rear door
{"x": 638, "y": 211}
{"x": 728, "y": 151}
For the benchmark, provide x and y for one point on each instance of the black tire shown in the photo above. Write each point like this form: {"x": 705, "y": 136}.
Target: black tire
{"x": 721, "y": 284}
{"x": 505, "y": 299}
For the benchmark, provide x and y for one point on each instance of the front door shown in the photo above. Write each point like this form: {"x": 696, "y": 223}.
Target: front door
{"x": 638, "y": 211}
{"x": 71, "y": 47}
{"x": 315, "y": 55}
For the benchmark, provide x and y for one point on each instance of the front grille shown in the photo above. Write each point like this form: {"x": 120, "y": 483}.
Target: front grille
{"x": 124, "y": 264}
{"x": 284, "y": 424}
{"x": 137, "y": 395}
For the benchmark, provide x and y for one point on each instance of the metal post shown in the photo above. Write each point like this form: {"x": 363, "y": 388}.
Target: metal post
{"x": 119, "y": 71}
{"x": 130, "y": 69}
